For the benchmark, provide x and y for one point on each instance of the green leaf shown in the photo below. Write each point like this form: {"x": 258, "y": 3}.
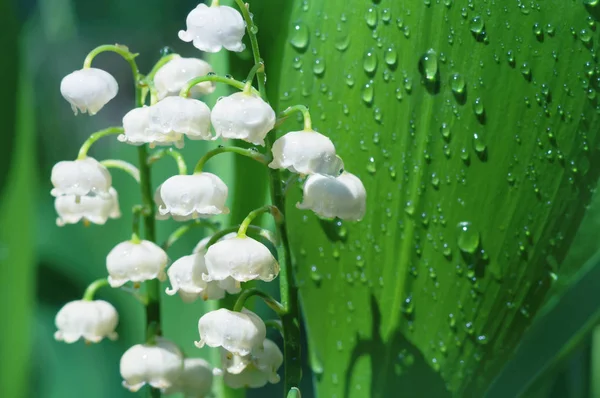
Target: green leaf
{"x": 475, "y": 131}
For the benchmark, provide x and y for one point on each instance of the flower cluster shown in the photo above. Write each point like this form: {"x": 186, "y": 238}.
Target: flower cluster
{"x": 168, "y": 113}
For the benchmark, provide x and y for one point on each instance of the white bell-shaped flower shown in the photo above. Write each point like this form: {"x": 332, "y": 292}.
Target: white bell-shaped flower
{"x": 343, "y": 197}
{"x": 186, "y": 197}
{"x": 185, "y": 276}
{"x": 243, "y": 116}
{"x": 212, "y": 28}
{"x": 136, "y": 124}
{"x": 259, "y": 370}
{"x": 80, "y": 177}
{"x": 90, "y": 320}
{"x": 306, "y": 152}
{"x": 136, "y": 262}
{"x": 89, "y": 89}
{"x": 159, "y": 365}
{"x": 241, "y": 258}
{"x": 174, "y": 116}
{"x": 172, "y": 77}
{"x": 240, "y": 333}
{"x": 195, "y": 381}
{"x": 201, "y": 245}
{"x": 94, "y": 209}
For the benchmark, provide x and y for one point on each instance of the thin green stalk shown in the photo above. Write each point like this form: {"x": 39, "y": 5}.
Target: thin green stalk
{"x": 305, "y": 113}
{"x": 218, "y": 235}
{"x": 91, "y": 290}
{"x": 251, "y": 153}
{"x": 185, "y": 91}
{"x": 85, "y": 147}
{"x": 260, "y": 67}
{"x": 156, "y": 156}
{"x": 122, "y": 165}
{"x": 270, "y": 301}
{"x": 275, "y": 324}
{"x": 255, "y": 213}
{"x": 123, "y": 51}
{"x": 181, "y": 231}
{"x": 137, "y": 213}
{"x": 288, "y": 288}
{"x": 161, "y": 62}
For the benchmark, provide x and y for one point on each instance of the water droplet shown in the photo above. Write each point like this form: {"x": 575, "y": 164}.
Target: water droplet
{"x": 409, "y": 208}
{"x": 478, "y": 107}
{"x": 342, "y": 36}
{"x": 370, "y": 61}
{"x": 315, "y": 275}
{"x": 477, "y": 25}
{"x": 368, "y": 93}
{"x": 371, "y": 166}
{"x": 386, "y": 15}
{"x": 319, "y": 66}
{"x": 350, "y": 80}
{"x": 300, "y": 36}
{"x": 445, "y": 130}
{"x": 408, "y": 306}
{"x": 428, "y": 66}
{"x": 457, "y": 83}
{"x": 391, "y": 56}
{"x": 371, "y": 17}
{"x": 468, "y": 237}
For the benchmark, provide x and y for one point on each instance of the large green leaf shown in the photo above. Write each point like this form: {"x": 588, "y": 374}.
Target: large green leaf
{"x": 474, "y": 128}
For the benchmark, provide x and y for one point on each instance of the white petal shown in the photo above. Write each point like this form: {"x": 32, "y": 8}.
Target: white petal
{"x": 343, "y": 197}
{"x": 90, "y": 320}
{"x": 88, "y": 90}
{"x": 174, "y": 116}
{"x": 195, "y": 381}
{"x": 81, "y": 177}
{"x": 136, "y": 124}
{"x": 172, "y": 77}
{"x": 306, "y": 152}
{"x": 212, "y": 28}
{"x": 187, "y": 197}
{"x": 95, "y": 209}
{"x": 243, "y": 116}
{"x": 185, "y": 276}
{"x": 237, "y": 332}
{"x": 135, "y": 262}
{"x": 242, "y": 259}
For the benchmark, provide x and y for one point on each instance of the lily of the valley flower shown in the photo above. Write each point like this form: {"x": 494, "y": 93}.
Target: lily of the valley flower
{"x": 160, "y": 365}
{"x": 90, "y": 320}
{"x": 195, "y": 380}
{"x": 81, "y": 177}
{"x": 243, "y": 116}
{"x": 89, "y": 89}
{"x": 240, "y": 333}
{"x": 306, "y": 152}
{"x": 135, "y": 261}
{"x": 185, "y": 276}
{"x": 177, "y": 116}
{"x": 94, "y": 209}
{"x": 136, "y": 124}
{"x": 212, "y": 28}
{"x": 343, "y": 197}
{"x": 172, "y": 77}
{"x": 260, "y": 369}
{"x": 241, "y": 258}
{"x": 186, "y": 197}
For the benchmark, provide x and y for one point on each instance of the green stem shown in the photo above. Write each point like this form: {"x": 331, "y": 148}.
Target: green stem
{"x": 305, "y": 113}
{"x": 251, "y": 153}
{"x": 255, "y": 69}
{"x": 251, "y": 28}
{"x": 123, "y": 51}
{"x": 122, "y": 165}
{"x": 270, "y": 301}
{"x": 287, "y": 285}
{"x": 275, "y": 324}
{"x": 161, "y": 62}
{"x": 137, "y": 213}
{"x": 181, "y": 231}
{"x": 156, "y": 156}
{"x": 95, "y": 137}
{"x": 255, "y": 213}
{"x": 91, "y": 290}
{"x": 185, "y": 91}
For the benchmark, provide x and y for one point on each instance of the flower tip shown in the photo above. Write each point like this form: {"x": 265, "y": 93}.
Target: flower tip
{"x": 199, "y": 344}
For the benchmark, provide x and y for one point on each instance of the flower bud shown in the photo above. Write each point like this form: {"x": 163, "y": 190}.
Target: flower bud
{"x": 94, "y": 209}
{"x": 136, "y": 124}
{"x": 186, "y": 197}
{"x": 185, "y": 276}
{"x": 212, "y": 28}
{"x": 81, "y": 177}
{"x": 243, "y": 116}
{"x": 90, "y": 320}
{"x": 89, "y": 89}
{"x": 306, "y": 152}
{"x": 135, "y": 262}
{"x": 159, "y": 365}
{"x": 343, "y": 197}
{"x": 238, "y": 332}
{"x": 241, "y": 258}
{"x": 176, "y": 116}
{"x": 173, "y": 76}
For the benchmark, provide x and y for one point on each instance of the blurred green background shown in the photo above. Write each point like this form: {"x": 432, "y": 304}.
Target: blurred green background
{"x": 43, "y": 266}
